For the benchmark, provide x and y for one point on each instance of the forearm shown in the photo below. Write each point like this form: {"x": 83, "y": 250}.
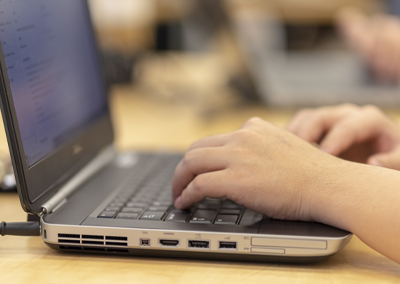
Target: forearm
{"x": 364, "y": 200}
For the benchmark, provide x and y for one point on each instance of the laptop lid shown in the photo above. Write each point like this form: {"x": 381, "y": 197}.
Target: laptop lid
{"x": 53, "y": 96}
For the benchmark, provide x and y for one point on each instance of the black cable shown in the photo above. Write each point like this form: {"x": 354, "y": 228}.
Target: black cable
{"x": 20, "y": 229}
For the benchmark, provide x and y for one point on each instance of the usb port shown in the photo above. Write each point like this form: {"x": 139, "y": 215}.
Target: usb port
{"x": 169, "y": 243}
{"x": 144, "y": 242}
{"x": 227, "y": 245}
{"x": 199, "y": 244}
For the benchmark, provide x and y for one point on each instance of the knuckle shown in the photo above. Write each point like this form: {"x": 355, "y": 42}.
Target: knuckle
{"x": 254, "y": 121}
{"x": 244, "y": 135}
{"x": 190, "y": 158}
{"x": 304, "y": 112}
{"x": 349, "y": 106}
{"x": 193, "y": 146}
{"x": 371, "y": 109}
{"x": 199, "y": 184}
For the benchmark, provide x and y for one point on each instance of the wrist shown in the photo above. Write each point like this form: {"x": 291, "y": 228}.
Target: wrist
{"x": 329, "y": 195}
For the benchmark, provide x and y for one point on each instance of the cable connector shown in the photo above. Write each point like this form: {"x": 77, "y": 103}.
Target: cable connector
{"x": 20, "y": 229}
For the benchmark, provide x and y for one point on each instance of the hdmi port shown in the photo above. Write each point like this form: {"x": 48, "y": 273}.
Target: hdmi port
{"x": 169, "y": 243}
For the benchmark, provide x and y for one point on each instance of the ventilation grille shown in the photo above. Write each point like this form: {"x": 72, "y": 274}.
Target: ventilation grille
{"x": 69, "y": 236}
{"x": 95, "y": 240}
{"x": 94, "y": 249}
{"x": 94, "y": 237}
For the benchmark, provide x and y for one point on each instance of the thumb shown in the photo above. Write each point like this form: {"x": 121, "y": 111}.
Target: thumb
{"x": 389, "y": 160}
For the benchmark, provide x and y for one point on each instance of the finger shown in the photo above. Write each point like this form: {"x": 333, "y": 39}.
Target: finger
{"x": 384, "y": 50}
{"x": 313, "y": 126}
{"x": 298, "y": 120}
{"x": 196, "y": 162}
{"x": 394, "y": 61}
{"x": 358, "y": 128}
{"x": 389, "y": 160}
{"x": 210, "y": 185}
{"x": 355, "y": 27}
{"x": 212, "y": 141}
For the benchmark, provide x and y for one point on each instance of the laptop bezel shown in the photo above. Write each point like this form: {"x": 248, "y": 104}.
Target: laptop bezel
{"x": 47, "y": 175}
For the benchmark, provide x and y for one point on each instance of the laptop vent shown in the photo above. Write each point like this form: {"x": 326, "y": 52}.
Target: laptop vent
{"x": 64, "y": 241}
{"x": 116, "y": 238}
{"x": 95, "y": 240}
{"x": 69, "y": 236}
{"x": 93, "y": 237}
{"x": 93, "y": 249}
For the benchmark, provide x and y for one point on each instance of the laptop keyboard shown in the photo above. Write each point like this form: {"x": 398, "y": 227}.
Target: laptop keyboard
{"x": 147, "y": 196}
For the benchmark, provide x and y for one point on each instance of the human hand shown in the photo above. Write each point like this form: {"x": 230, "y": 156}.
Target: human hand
{"x": 376, "y": 38}
{"x": 360, "y": 134}
{"x": 260, "y": 166}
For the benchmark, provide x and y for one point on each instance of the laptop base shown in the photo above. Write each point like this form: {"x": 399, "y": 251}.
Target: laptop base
{"x": 185, "y": 255}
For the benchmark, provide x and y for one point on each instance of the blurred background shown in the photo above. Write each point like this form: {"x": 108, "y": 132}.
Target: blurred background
{"x": 180, "y": 70}
{"x": 213, "y": 54}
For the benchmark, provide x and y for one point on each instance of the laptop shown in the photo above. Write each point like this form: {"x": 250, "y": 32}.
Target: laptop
{"x": 301, "y": 78}
{"x": 92, "y": 199}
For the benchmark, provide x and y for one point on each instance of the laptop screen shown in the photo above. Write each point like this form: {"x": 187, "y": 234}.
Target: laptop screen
{"x": 53, "y": 70}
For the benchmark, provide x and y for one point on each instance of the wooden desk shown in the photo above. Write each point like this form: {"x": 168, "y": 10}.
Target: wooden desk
{"x": 144, "y": 124}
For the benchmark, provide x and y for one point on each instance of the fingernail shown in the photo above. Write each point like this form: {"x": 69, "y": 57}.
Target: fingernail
{"x": 178, "y": 202}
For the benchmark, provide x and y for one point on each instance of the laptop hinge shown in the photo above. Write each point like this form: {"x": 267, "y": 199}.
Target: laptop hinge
{"x": 99, "y": 162}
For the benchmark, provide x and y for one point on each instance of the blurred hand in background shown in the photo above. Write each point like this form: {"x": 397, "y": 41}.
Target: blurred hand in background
{"x": 376, "y": 38}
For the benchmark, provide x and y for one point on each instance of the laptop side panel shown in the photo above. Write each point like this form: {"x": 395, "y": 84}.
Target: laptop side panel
{"x": 145, "y": 241}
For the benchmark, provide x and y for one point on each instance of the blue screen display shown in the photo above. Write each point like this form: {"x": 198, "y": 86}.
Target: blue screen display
{"x": 53, "y": 69}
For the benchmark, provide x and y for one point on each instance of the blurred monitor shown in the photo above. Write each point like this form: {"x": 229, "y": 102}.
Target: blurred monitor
{"x": 393, "y": 7}
{"x": 294, "y": 78}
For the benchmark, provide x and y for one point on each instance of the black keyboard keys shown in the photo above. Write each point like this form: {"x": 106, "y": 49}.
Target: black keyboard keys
{"x": 226, "y": 219}
{"x": 150, "y": 215}
{"x": 130, "y": 216}
{"x": 158, "y": 208}
{"x": 107, "y": 214}
{"x": 203, "y": 216}
{"x": 177, "y": 216}
{"x": 132, "y": 210}
{"x": 230, "y": 211}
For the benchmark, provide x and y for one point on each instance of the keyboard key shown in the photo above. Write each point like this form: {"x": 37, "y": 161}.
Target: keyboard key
{"x": 203, "y": 216}
{"x": 141, "y": 200}
{"x": 211, "y": 201}
{"x": 161, "y": 203}
{"x": 149, "y": 215}
{"x": 208, "y": 206}
{"x": 131, "y": 210}
{"x": 116, "y": 204}
{"x": 158, "y": 208}
{"x": 163, "y": 199}
{"x": 230, "y": 211}
{"x": 136, "y": 204}
{"x": 131, "y": 216}
{"x": 106, "y": 214}
{"x": 120, "y": 199}
{"x": 230, "y": 205}
{"x": 257, "y": 218}
{"x": 226, "y": 219}
{"x": 177, "y": 217}
{"x": 112, "y": 209}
